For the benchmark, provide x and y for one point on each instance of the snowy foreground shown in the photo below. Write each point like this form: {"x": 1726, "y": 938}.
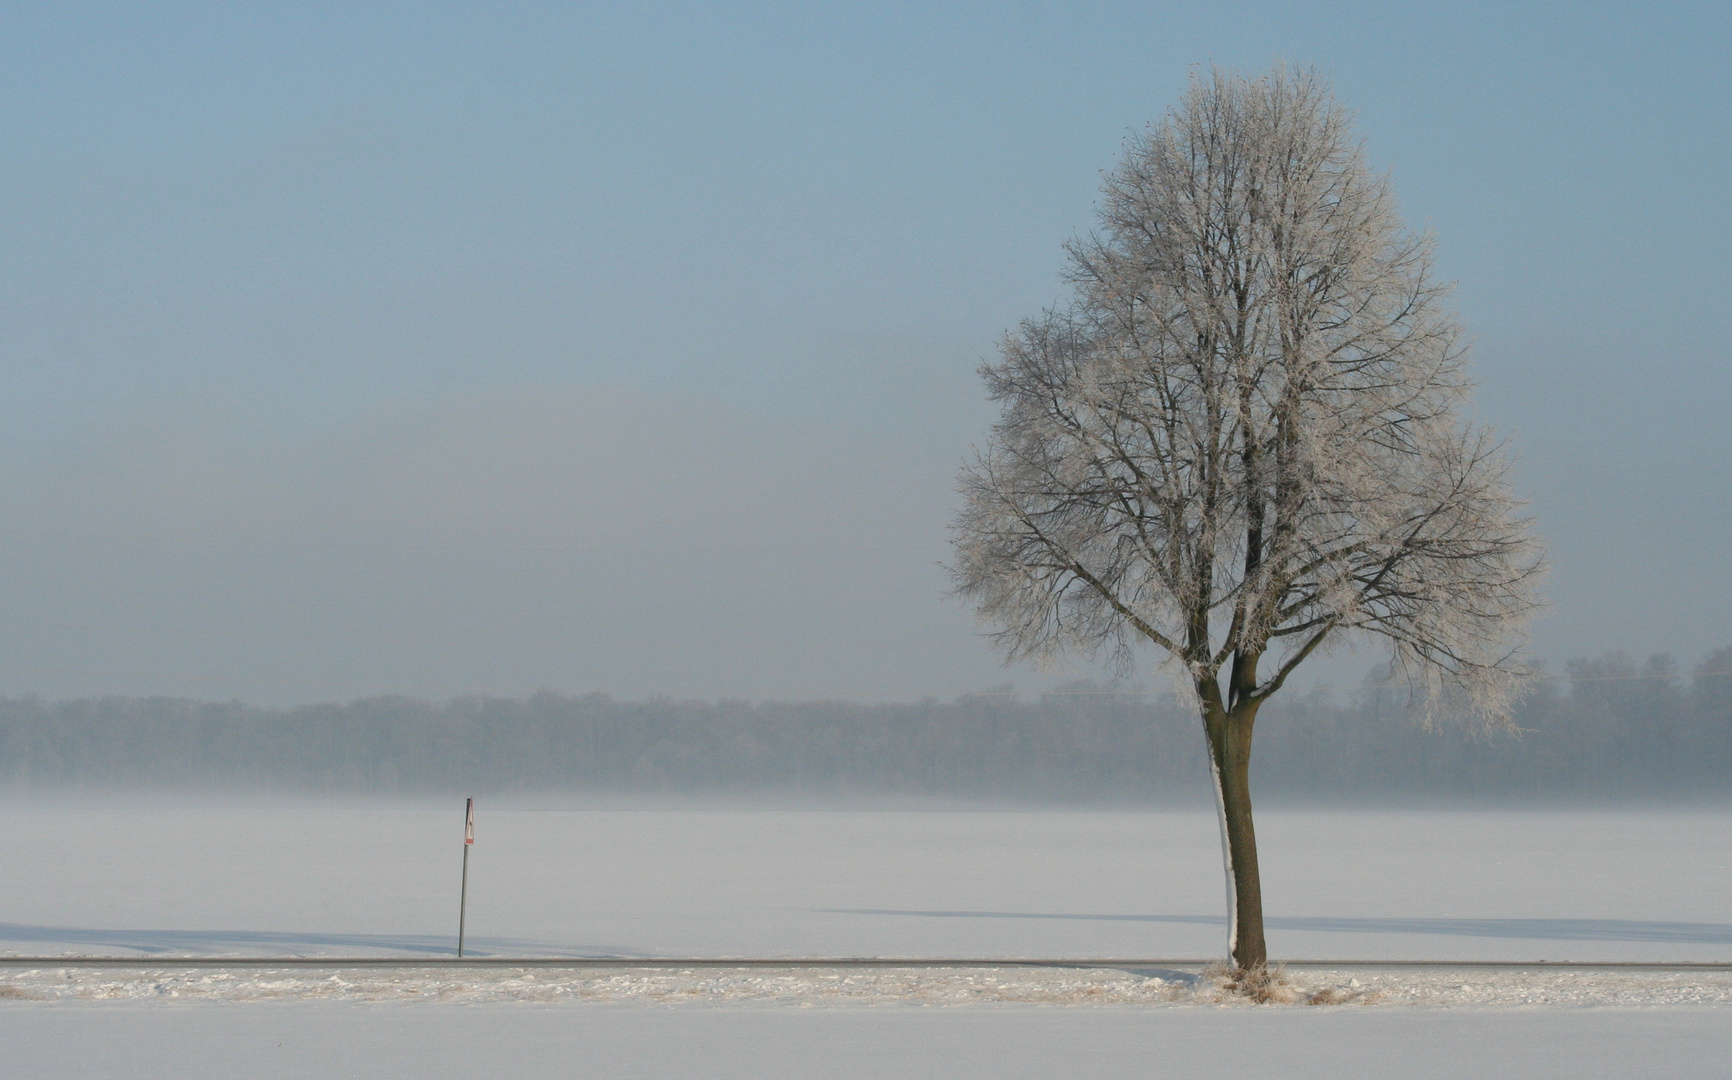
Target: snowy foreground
{"x": 293, "y": 1041}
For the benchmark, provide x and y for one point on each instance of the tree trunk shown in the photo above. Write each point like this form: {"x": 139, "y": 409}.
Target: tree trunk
{"x": 1229, "y": 733}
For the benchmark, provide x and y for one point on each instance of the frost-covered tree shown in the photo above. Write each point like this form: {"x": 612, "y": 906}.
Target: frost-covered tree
{"x": 1243, "y": 440}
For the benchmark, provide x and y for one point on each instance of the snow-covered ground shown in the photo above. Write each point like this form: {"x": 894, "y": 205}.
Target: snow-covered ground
{"x": 311, "y": 878}
{"x": 169, "y": 876}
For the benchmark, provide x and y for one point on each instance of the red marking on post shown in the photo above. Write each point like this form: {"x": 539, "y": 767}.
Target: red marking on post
{"x": 469, "y": 823}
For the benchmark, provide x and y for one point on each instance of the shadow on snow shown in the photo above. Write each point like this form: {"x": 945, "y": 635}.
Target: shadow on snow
{"x": 1536, "y": 929}
{"x": 271, "y": 943}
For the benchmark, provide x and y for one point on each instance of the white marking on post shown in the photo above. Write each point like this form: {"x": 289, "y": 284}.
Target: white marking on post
{"x": 463, "y": 897}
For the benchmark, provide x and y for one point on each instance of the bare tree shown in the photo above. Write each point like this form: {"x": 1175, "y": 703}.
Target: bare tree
{"x": 1243, "y": 441}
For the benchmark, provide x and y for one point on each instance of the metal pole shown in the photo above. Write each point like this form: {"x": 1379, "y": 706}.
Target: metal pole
{"x": 468, "y": 842}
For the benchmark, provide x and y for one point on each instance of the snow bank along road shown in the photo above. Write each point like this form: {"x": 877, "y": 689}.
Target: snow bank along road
{"x": 877, "y": 983}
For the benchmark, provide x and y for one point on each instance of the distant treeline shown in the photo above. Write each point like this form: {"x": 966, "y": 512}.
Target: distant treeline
{"x": 1610, "y": 729}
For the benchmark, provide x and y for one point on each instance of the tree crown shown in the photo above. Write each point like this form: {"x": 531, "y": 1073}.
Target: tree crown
{"x": 1244, "y": 436}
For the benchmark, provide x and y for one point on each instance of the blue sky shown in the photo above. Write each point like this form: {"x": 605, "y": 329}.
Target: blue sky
{"x": 293, "y": 295}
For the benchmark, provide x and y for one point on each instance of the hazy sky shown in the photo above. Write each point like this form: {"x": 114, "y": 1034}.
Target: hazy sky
{"x": 465, "y": 347}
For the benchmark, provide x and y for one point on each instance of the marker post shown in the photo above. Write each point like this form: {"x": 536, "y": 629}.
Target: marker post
{"x": 468, "y": 842}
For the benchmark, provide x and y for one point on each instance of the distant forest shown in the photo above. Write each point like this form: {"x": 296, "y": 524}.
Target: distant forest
{"x": 1609, "y": 729}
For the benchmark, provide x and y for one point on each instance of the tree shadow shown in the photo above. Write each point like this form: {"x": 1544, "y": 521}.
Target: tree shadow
{"x": 287, "y": 945}
{"x": 1676, "y": 933}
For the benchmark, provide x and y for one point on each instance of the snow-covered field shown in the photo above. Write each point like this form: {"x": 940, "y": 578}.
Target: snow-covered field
{"x": 308, "y": 878}
{"x": 164, "y": 876}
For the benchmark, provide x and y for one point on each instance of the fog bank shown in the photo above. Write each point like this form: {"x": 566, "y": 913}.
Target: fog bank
{"x": 1612, "y": 730}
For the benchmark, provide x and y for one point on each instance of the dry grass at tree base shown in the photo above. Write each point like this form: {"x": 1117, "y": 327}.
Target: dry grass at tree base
{"x": 1271, "y": 986}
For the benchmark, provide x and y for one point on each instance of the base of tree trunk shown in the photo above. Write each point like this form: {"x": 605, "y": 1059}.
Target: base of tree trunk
{"x": 1260, "y": 984}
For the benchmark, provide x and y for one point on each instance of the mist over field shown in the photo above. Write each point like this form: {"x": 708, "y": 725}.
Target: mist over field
{"x": 1610, "y": 731}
